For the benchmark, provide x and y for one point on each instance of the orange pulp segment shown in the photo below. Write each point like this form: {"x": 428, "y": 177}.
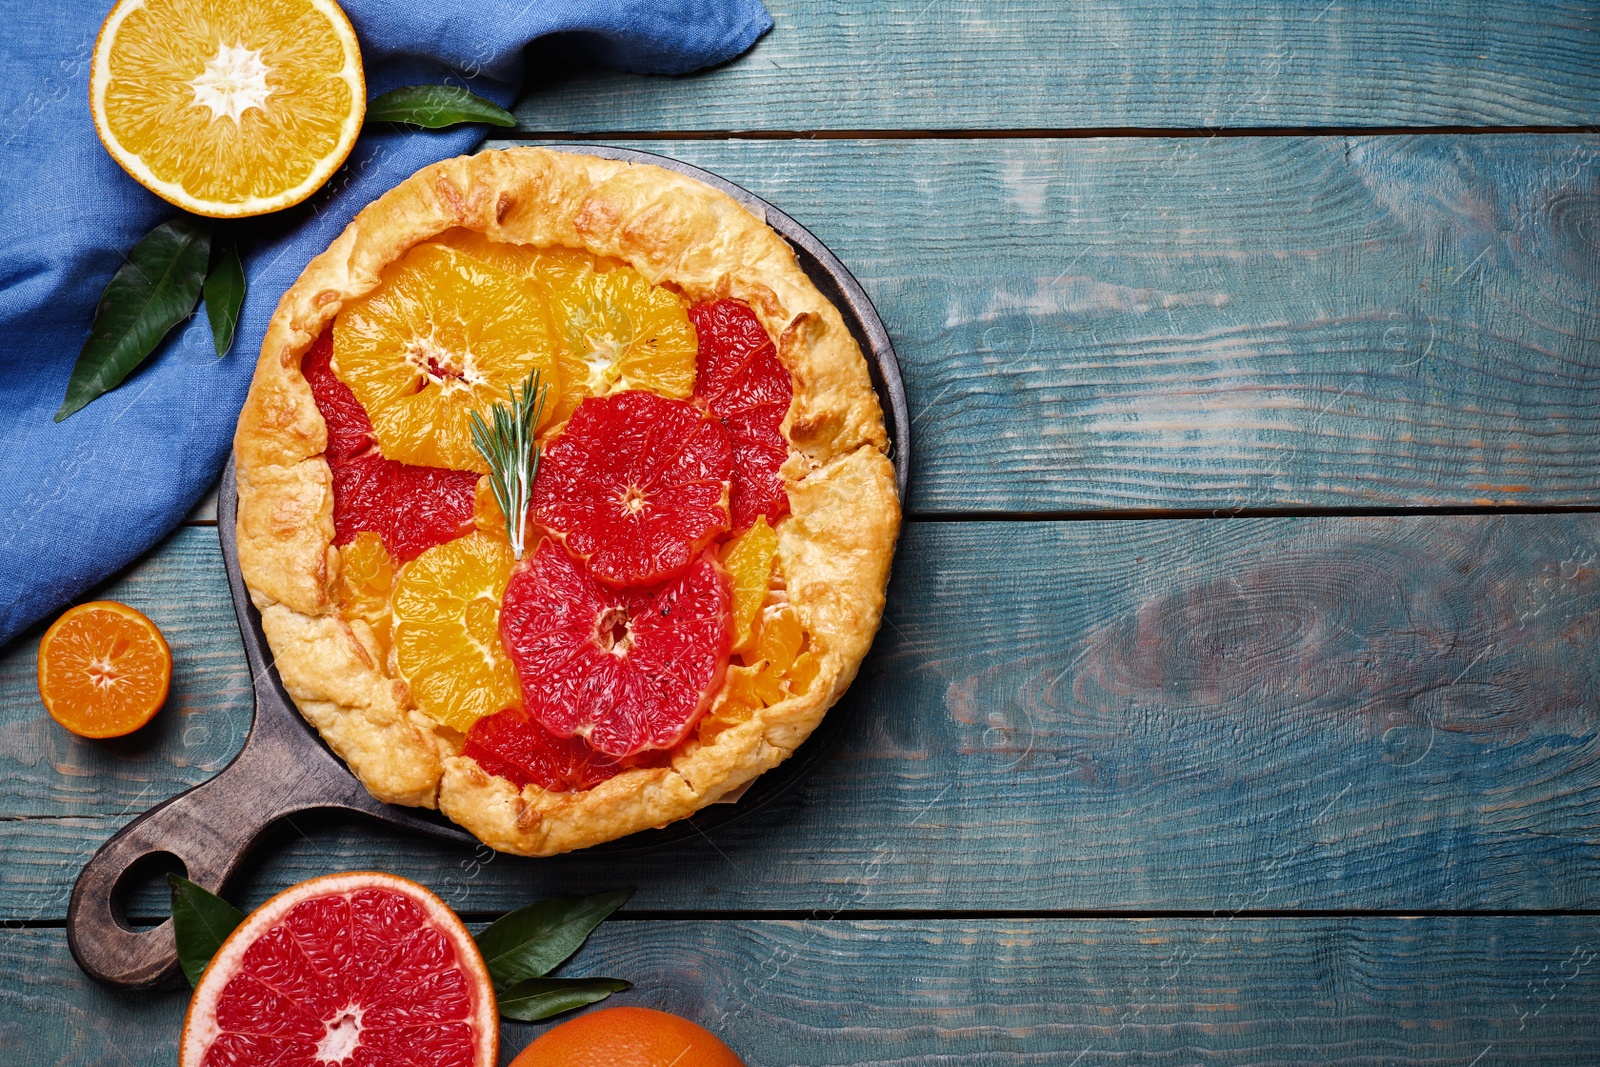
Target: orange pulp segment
{"x": 552, "y": 268}
{"x": 619, "y": 332}
{"x": 104, "y": 669}
{"x": 615, "y": 330}
{"x": 780, "y": 666}
{"x": 443, "y": 335}
{"x": 748, "y": 558}
{"x": 366, "y": 574}
{"x": 228, "y": 109}
{"x": 447, "y": 645}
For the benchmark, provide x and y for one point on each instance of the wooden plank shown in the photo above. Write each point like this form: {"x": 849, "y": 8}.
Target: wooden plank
{"x": 180, "y": 585}
{"x": 1223, "y": 324}
{"x": 1256, "y": 714}
{"x": 205, "y": 512}
{"x": 1031, "y": 64}
{"x": 968, "y": 992}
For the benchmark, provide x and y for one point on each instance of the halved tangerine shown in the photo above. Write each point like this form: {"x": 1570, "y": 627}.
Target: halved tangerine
{"x": 636, "y": 485}
{"x": 104, "y": 669}
{"x": 628, "y": 670}
{"x": 360, "y": 970}
{"x": 447, "y": 630}
{"x": 742, "y": 382}
{"x": 411, "y": 508}
{"x": 445, "y": 334}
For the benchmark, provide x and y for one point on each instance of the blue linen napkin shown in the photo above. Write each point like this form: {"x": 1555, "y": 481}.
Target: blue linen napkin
{"x": 81, "y": 499}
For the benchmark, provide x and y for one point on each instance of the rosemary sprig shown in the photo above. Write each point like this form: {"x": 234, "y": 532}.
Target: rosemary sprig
{"x": 512, "y": 452}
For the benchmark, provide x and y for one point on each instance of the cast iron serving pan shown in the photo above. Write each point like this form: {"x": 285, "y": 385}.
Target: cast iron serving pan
{"x": 285, "y": 768}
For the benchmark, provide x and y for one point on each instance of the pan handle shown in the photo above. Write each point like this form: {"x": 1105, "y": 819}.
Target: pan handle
{"x": 209, "y": 828}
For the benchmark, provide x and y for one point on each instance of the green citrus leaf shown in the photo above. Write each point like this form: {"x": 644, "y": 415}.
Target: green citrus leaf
{"x": 224, "y": 290}
{"x": 201, "y": 922}
{"x": 150, "y": 294}
{"x": 533, "y": 941}
{"x": 435, "y": 107}
{"x": 533, "y": 999}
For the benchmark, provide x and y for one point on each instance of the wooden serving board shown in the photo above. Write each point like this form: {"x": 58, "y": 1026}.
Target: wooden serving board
{"x": 284, "y": 768}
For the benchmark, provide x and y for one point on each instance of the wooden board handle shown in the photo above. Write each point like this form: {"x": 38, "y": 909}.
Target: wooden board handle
{"x": 209, "y": 828}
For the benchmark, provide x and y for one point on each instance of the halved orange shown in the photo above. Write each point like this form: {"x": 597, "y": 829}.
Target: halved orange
{"x": 104, "y": 669}
{"x": 228, "y": 108}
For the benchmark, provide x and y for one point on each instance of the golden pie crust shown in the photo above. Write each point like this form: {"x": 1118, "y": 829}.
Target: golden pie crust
{"x": 834, "y": 548}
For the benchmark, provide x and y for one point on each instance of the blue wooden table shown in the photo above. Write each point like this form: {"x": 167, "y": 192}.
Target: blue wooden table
{"x": 1238, "y": 700}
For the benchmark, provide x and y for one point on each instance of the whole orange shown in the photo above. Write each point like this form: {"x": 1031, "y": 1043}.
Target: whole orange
{"x": 628, "y": 1037}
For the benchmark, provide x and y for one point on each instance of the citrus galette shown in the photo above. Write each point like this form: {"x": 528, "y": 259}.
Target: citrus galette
{"x": 564, "y": 497}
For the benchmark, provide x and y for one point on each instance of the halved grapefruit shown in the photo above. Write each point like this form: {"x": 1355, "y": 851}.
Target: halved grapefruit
{"x": 358, "y": 970}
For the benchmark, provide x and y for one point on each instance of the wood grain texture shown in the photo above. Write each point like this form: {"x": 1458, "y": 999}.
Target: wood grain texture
{"x": 1217, "y": 324}
{"x": 1251, "y": 714}
{"x": 180, "y": 585}
{"x": 205, "y": 512}
{"x": 972, "y": 993}
{"x": 1031, "y": 64}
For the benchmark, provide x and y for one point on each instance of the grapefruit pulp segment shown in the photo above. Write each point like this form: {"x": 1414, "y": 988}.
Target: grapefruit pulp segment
{"x": 411, "y": 508}
{"x": 628, "y": 670}
{"x": 756, "y": 486}
{"x": 742, "y": 381}
{"x": 636, "y": 485}
{"x": 508, "y": 744}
